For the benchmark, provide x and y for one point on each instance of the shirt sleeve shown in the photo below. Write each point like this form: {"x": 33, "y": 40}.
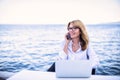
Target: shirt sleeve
{"x": 62, "y": 55}
{"x": 93, "y": 57}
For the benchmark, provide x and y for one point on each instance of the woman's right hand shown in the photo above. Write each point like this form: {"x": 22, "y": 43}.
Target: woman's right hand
{"x": 67, "y": 40}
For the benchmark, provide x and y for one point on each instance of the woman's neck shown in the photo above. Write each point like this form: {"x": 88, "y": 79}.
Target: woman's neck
{"x": 75, "y": 45}
{"x": 75, "y": 41}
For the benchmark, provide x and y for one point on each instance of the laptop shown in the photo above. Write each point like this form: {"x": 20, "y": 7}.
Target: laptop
{"x": 73, "y": 68}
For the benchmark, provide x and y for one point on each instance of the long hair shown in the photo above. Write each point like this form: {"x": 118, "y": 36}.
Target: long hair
{"x": 84, "y": 40}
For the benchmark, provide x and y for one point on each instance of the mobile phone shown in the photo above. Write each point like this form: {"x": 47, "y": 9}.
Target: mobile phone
{"x": 68, "y": 36}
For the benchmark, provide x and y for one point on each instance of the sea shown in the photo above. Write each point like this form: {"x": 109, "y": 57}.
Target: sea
{"x": 36, "y": 46}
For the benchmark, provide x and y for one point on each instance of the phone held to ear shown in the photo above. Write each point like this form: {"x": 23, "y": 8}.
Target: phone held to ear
{"x": 68, "y": 37}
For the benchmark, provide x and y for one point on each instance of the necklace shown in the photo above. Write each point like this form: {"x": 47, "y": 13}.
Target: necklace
{"x": 75, "y": 47}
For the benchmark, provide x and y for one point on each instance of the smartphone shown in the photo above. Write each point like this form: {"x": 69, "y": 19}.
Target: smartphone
{"x": 68, "y": 36}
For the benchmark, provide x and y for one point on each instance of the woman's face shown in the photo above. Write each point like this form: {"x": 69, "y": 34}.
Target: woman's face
{"x": 74, "y": 31}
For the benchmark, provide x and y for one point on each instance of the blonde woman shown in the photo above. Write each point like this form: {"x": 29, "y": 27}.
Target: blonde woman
{"x": 76, "y": 45}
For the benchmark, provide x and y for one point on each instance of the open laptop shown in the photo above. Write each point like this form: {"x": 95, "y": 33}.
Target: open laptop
{"x": 73, "y": 68}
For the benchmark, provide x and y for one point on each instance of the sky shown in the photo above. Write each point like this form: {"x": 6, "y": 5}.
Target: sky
{"x": 58, "y": 11}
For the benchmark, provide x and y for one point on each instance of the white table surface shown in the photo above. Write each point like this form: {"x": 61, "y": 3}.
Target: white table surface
{"x": 38, "y": 75}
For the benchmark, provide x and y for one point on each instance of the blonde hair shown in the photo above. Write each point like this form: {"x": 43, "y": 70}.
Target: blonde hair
{"x": 84, "y": 40}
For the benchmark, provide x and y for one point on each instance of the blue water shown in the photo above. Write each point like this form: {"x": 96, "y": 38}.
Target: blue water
{"x": 35, "y": 47}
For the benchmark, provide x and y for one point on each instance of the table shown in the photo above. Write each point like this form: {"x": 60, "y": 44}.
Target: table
{"x": 39, "y": 75}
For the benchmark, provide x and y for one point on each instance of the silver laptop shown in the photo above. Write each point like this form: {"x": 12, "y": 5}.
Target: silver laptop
{"x": 73, "y": 68}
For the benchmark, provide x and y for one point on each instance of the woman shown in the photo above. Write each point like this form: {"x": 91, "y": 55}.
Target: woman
{"x": 76, "y": 45}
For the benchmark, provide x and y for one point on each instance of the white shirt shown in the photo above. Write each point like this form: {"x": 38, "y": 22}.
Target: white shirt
{"x": 79, "y": 54}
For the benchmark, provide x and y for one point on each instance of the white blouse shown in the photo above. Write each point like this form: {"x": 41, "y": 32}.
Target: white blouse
{"x": 88, "y": 54}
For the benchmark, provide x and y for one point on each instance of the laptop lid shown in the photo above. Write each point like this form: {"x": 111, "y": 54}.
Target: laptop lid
{"x": 73, "y": 68}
